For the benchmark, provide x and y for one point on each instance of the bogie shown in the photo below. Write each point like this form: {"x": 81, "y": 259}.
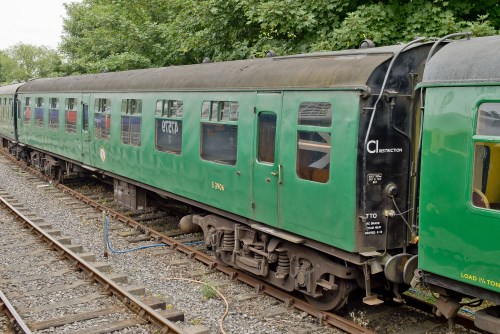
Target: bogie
{"x": 325, "y": 283}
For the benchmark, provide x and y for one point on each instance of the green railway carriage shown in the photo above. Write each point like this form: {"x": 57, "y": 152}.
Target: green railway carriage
{"x": 460, "y": 174}
{"x": 8, "y": 113}
{"x": 298, "y": 158}
{"x": 319, "y": 172}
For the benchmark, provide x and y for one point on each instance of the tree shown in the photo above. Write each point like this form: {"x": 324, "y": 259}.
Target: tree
{"x": 110, "y": 35}
{"x": 22, "y": 62}
{"x": 1, "y": 67}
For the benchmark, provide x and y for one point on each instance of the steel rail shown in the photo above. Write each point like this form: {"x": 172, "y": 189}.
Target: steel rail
{"x": 109, "y": 286}
{"x": 14, "y": 318}
{"x": 427, "y": 307}
{"x": 322, "y": 316}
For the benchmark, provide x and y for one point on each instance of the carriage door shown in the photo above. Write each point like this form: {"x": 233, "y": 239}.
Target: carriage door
{"x": 85, "y": 129}
{"x": 266, "y": 171}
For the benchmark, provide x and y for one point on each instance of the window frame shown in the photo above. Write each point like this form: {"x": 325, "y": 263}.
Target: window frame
{"x": 131, "y": 109}
{"x": 103, "y": 110}
{"x": 309, "y": 128}
{"x": 481, "y": 139}
{"x": 11, "y": 108}
{"x": 170, "y": 122}
{"x": 258, "y": 156}
{"x": 27, "y": 110}
{"x": 52, "y": 125}
{"x": 304, "y": 105}
{"x": 218, "y": 120}
{"x": 70, "y": 127}
{"x": 3, "y": 108}
{"x": 39, "y": 109}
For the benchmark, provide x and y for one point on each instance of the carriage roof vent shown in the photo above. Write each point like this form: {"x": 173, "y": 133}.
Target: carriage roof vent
{"x": 271, "y": 53}
{"x": 366, "y": 44}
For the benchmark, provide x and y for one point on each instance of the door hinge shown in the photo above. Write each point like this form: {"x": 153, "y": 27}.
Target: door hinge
{"x": 254, "y": 110}
{"x": 253, "y": 205}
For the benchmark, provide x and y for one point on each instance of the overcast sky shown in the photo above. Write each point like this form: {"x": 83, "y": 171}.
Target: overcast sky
{"x": 37, "y": 22}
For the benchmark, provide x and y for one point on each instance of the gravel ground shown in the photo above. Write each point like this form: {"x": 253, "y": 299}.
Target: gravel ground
{"x": 160, "y": 272}
{"x": 43, "y": 262}
{"x": 163, "y": 272}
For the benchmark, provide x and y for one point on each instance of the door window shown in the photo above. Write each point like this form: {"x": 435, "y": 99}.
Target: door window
{"x": 486, "y": 169}
{"x": 85, "y": 109}
{"x": 266, "y": 137}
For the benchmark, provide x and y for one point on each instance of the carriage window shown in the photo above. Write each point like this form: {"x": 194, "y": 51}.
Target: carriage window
{"x": 315, "y": 113}
{"x": 313, "y": 144}
{"x": 168, "y": 123}
{"x": 205, "y": 110}
{"x": 53, "y": 113}
{"x": 11, "y": 110}
{"x": 27, "y": 110}
{"x": 313, "y": 155}
{"x": 488, "y": 119}
{"x": 85, "y": 112}
{"x": 39, "y": 112}
{"x": 486, "y": 169}
{"x": 266, "y": 137}
{"x": 70, "y": 113}
{"x": 102, "y": 118}
{"x": 3, "y": 108}
{"x": 131, "y": 122}
{"x": 219, "y": 131}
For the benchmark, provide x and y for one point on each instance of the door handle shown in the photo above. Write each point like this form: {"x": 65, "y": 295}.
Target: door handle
{"x": 279, "y": 174}
{"x": 274, "y": 173}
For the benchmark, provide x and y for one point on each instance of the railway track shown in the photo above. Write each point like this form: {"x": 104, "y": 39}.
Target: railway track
{"x": 102, "y": 203}
{"x": 211, "y": 263}
{"x": 62, "y": 280}
{"x": 10, "y": 320}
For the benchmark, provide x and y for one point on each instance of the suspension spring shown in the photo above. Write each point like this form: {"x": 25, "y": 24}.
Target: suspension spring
{"x": 228, "y": 240}
{"x": 283, "y": 263}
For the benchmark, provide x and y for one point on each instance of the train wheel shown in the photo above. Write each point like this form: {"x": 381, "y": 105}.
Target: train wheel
{"x": 332, "y": 299}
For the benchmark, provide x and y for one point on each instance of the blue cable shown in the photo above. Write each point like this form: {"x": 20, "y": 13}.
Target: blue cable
{"x": 468, "y": 311}
{"x": 193, "y": 243}
{"x": 126, "y": 250}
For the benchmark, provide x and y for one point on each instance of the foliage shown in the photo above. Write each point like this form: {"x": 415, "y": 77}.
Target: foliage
{"x": 103, "y": 35}
{"x": 113, "y": 35}
{"x": 22, "y": 62}
{"x": 208, "y": 292}
{"x": 399, "y": 22}
{"x": 1, "y": 66}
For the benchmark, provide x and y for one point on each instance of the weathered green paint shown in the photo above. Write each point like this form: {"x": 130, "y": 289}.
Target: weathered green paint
{"x": 7, "y": 117}
{"x": 58, "y": 140}
{"x": 300, "y": 206}
{"x": 457, "y": 240}
{"x": 7, "y": 107}
{"x": 322, "y": 211}
{"x": 265, "y": 178}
